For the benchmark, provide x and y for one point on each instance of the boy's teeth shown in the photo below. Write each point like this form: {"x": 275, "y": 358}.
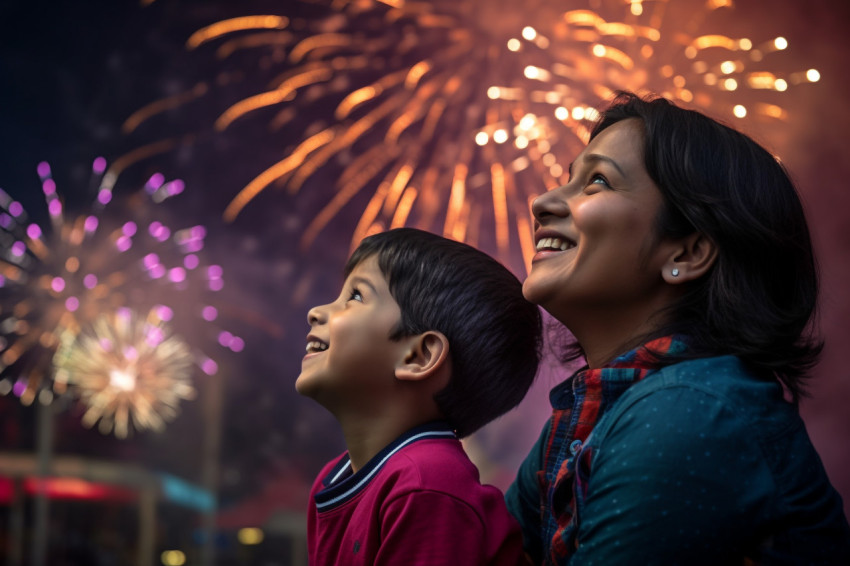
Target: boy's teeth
{"x": 316, "y": 346}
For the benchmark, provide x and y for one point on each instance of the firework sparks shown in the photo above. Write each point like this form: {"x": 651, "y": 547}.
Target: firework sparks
{"x": 126, "y": 370}
{"x": 454, "y": 114}
{"x": 60, "y": 284}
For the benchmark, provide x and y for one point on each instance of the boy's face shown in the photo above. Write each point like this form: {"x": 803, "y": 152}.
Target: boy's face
{"x": 350, "y": 359}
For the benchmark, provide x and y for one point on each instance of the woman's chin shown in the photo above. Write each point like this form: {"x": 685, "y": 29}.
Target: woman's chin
{"x": 534, "y": 290}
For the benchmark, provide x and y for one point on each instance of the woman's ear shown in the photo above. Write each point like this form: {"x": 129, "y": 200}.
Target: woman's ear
{"x": 427, "y": 354}
{"x": 694, "y": 256}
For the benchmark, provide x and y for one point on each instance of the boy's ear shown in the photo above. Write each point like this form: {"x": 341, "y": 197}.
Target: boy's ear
{"x": 426, "y": 355}
{"x": 693, "y": 257}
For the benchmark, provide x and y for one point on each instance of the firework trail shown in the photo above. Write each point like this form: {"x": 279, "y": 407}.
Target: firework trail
{"x": 103, "y": 305}
{"x": 452, "y": 114}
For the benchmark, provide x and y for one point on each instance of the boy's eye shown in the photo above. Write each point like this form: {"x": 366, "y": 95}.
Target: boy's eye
{"x": 355, "y": 296}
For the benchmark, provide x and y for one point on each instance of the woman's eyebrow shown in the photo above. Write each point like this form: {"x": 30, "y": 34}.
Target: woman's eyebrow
{"x": 598, "y": 157}
{"x": 590, "y": 157}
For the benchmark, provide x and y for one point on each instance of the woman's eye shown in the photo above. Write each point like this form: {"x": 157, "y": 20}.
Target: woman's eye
{"x": 598, "y": 179}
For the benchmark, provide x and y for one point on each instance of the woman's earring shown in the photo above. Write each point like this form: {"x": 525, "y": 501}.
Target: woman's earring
{"x": 675, "y": 272}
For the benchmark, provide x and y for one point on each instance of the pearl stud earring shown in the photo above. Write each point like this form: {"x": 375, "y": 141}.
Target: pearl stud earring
{"x": 675, "y": 272}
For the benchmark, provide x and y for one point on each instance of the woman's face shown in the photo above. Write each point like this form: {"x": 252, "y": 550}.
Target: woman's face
{"x": 597, "y": 254}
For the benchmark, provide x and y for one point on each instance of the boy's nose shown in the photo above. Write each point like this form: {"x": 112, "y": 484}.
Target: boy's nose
{"x": 315, "y": 315}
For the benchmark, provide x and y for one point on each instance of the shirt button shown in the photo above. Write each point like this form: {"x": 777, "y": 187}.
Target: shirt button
{"x": 575, "y": 446}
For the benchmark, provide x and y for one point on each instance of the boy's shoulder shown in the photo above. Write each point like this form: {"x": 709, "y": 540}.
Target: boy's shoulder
{"x": 425, "y": 456}
{"x": 429, "y": 460}
{"x": 440, "y": 469}
{"x": 433, "y": 463}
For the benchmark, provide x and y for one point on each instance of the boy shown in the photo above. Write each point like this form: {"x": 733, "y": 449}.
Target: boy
{"x": 429, "y": 340}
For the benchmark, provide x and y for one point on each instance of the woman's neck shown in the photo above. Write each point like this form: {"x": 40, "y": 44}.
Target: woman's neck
{"x": 603, "y": 338}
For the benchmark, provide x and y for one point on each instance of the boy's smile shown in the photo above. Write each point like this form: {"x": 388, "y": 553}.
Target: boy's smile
{"x": 315, "y": 345}
{"x": 350, "y": 358}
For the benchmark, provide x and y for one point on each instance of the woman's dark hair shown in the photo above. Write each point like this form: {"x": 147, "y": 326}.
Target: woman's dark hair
{"x": 494, "y": 334}
{"x": 759, "y": 299}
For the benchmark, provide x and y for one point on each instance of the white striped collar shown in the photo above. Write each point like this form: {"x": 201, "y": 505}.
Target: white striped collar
{"x": 341, "y": 485}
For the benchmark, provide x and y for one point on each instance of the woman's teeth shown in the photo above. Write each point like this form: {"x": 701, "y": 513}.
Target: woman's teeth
{"x": 554, "y": 244}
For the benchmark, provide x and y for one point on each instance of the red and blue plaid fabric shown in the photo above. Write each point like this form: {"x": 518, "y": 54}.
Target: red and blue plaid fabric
{"x": 577, "y": 405}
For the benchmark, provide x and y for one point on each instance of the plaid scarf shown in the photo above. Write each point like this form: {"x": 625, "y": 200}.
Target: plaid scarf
{"x": 578, "y": 404}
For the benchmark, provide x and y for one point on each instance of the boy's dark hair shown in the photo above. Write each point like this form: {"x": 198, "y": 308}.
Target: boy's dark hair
{"x": 494, "y": 334}
{"x": 759, "y": 299}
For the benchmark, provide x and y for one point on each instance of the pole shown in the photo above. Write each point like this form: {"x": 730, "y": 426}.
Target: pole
{"x": 209, "y": 472}
{"x": 147, "y": 525}
{"x": 42, "y": 503}
{"x": 16, "y": 524}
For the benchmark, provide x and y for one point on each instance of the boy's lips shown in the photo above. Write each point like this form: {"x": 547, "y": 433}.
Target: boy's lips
{"x": 315, "y": 344}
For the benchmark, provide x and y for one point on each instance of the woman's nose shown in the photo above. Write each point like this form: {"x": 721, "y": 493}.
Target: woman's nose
{"x": 551, "y": 203}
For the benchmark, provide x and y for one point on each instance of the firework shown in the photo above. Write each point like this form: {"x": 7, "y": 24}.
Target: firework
{"x": 452, "y": 114}
{"x": 64, "y": 286}
{"x": 126, "y": 369}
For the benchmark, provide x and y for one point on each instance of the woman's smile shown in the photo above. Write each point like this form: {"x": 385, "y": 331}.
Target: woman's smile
{"x": 596, "y": 238}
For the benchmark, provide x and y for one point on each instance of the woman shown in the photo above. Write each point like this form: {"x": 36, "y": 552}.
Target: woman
{"x": 679, "y": 258}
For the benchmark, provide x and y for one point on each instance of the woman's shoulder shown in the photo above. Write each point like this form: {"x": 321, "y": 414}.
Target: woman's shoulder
{"x": 725, "y": 379}
{"x": 715, "y": 373}
{"x": 717, "y": 390}
{"x": 710, "y": 422}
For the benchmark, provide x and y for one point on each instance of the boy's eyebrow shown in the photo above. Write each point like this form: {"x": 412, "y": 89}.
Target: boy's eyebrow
{"x": 357, "y": 280}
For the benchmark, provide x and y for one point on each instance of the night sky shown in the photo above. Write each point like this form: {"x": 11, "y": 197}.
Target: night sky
{"x": 71, "y": 73}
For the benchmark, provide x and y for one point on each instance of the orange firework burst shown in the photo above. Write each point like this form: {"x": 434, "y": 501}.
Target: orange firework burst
{"x": 453, "y": 114}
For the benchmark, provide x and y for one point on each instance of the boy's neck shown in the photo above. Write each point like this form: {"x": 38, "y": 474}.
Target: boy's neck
{"x": 365, "y": 437}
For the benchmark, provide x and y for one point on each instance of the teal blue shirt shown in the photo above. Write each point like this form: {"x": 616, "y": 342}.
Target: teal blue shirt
{"x": 698, "y": 463}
